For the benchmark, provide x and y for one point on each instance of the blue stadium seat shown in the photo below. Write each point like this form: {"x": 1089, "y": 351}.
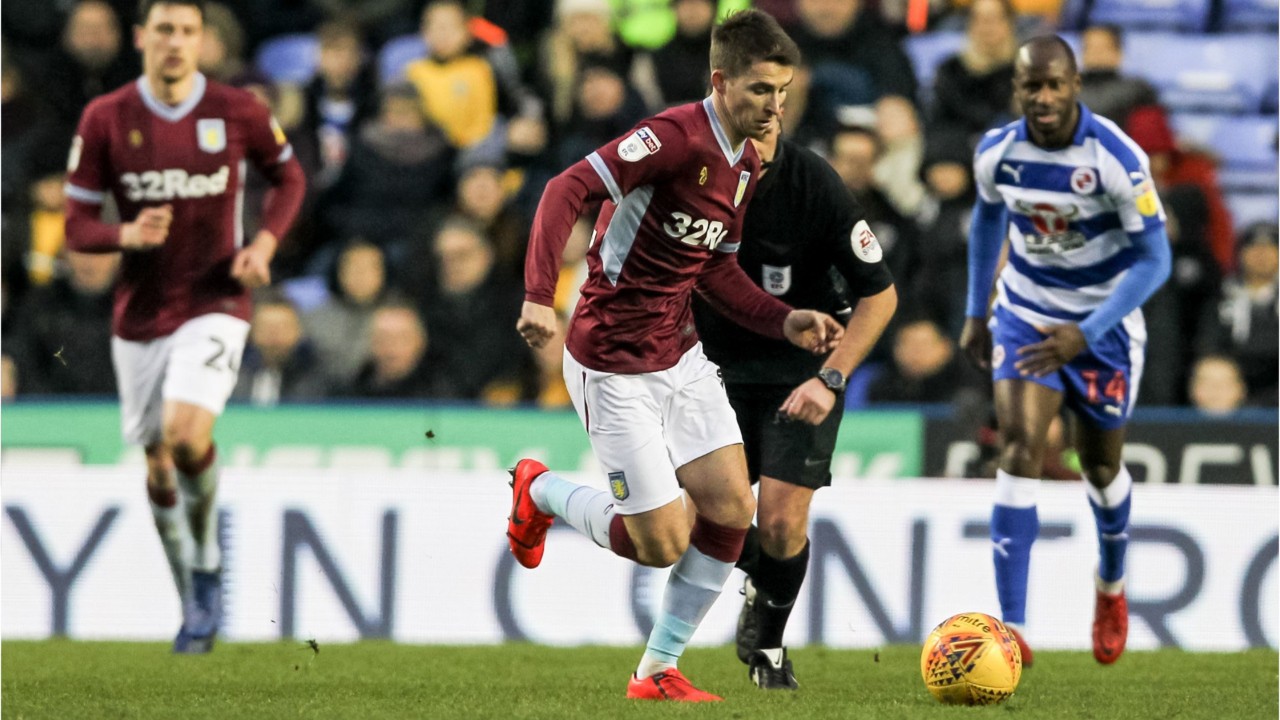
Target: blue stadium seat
{"x": 289, "y": 58}
{"x": 1075, "y": 41}
{"x": 1250, "y": 15}
{"x": 927, "y": 51}
{"x": 1073, "y": 15}
{"x": 1245, "y": 144}
{"x": 859, "y": 385}
{"x": 1248, "y": 208}
{"x": 396, "y": 53}
{"x": 1182, "y": 15}
{"x": 1211, "y": 73}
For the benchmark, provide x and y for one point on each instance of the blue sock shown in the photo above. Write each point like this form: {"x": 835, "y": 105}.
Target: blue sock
{"x": 1111, "y": 514}
{"x": 1014, "y": 526}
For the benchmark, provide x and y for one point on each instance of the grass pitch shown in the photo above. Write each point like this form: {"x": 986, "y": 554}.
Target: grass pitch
{"x": 65, "y": 679}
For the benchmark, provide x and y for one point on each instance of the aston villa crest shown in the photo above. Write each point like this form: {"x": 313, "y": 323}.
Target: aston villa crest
{"x": 618, "y": 485}
{"x": 211, "y": 134}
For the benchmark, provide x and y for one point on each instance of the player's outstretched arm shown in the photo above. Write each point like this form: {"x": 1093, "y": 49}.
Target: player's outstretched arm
{"x": 817, "y": 332}
{"x": 252, "y": 264}
{"x": 1063, "y": 342}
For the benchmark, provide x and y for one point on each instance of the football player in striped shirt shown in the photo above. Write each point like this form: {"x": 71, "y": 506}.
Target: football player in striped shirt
{"x": 1087, "y": 246}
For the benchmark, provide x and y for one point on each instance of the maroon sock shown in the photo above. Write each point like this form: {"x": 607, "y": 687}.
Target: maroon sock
{"x": 164, "y": 497}
{"x": 194, "y": 469}
{"x": 712, "y": 539}
{"x": 620, "y": 539}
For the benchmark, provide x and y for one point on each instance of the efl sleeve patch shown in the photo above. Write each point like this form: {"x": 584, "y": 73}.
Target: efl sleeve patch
{"x": 1144, "y": 194}
{"x": 865, "y": 245}
{"x": 640, "y": 144}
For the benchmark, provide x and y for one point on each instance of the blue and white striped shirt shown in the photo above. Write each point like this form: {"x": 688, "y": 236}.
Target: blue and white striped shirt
{"x": 1075, "y": 216}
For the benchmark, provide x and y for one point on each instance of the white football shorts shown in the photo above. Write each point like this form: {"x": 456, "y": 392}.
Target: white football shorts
{"x": 642, "y": 427}
{"x": 197, "y": 364}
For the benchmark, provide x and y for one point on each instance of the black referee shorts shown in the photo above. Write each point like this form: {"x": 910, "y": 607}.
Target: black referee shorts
{"x": 792, "y": 451}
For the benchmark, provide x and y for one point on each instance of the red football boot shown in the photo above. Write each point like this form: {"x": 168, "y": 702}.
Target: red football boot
{"x": 527, "y": 525}
{"x": 667, "y": 685}
{"x": 1023, "y": 648}
{"x": 1110, "y": 627}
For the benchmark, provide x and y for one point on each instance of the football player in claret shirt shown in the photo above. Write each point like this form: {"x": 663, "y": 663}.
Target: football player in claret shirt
{"x": 674, "y": 191}
{"x": 1087, "y": 246}
{"x": 171, "y": 149}
{"x": 804, "y": 240}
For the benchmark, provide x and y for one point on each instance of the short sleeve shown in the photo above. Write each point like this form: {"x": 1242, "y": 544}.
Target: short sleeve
{"x": 87, "y": 163}
{"x": 854, "y": 249}
{"x": 651, "y": 151}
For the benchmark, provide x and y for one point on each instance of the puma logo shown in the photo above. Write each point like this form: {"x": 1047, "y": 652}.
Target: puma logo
{"x": 1015, "y": 172}
{"x": 1000, "y": 546}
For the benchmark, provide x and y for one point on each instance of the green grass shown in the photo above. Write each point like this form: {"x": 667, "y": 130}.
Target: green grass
{"x": 65, "y": 679}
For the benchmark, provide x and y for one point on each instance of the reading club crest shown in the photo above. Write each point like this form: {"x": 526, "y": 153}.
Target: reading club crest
{"x": 211, "y": 134}
{"x": 743, "y": 179}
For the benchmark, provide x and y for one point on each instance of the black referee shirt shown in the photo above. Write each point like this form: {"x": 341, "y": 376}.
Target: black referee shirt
{"x": 802, "y": 241}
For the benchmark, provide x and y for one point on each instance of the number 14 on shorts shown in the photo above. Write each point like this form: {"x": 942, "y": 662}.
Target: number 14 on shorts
{"x": 1116, "y": 389}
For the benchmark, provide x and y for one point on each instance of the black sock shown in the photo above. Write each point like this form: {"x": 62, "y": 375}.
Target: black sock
{"x": 749, "y": 560}
{"x": 777, "y": 584}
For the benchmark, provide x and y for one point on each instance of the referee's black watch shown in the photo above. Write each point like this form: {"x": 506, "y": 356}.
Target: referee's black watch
{"x": 833, "y": 379}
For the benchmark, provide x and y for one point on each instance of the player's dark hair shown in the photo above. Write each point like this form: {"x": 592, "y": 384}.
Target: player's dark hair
{"x": 144, "y": 7}
{"x": 749, "y": 37}
{"x": 1115, "y": 31}
{"x": 1045, "y": 48}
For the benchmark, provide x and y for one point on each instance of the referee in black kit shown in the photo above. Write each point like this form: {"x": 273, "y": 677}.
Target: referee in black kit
{"x": 803, "y": 240}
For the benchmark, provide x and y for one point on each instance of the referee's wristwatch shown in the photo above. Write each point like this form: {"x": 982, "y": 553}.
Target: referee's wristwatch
{"x": 833, "y": 379}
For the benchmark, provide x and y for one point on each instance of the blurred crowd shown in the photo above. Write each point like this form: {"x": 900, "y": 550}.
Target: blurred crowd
{"x": 404, "y": 276}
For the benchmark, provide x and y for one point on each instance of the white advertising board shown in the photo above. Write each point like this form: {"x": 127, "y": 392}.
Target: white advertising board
{"x": 421, "y": 557}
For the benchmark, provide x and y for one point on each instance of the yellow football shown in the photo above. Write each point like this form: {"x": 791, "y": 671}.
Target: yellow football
{"x": 971, "y": 659}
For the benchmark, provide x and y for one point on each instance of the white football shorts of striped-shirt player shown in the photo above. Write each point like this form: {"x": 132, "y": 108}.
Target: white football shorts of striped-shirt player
{"x": 644, "y": 426}
{"x": 1070, "y": 214}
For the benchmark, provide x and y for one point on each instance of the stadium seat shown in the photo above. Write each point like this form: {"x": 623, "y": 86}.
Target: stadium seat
{"x": 1245, "y": 144}
{"x": 928, "y": 50}
{"x": 289, "y": 58}
{"x": 1258, "y": 15}
{"x": 1181, "y": 15}
{"x": 396, "y": 53}
{"x": 1075, "y": 41}
{"x": 1249, "y": 208}
{"x": 1210, "y": 73}
{"x": 1073, "y": 15}
{"x": 859, "y": 385}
